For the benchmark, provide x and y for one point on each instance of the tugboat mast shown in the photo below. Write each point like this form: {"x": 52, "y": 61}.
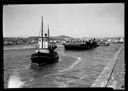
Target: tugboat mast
{"x": 48, "y": 34}
{"x": 42, "y": 32}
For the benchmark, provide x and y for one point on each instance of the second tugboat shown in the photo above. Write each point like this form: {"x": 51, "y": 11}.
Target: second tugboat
{"x": 45, "y": 53}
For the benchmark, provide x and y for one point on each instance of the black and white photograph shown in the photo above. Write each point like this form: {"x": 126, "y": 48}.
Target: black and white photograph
{"x": 78, "y": 45}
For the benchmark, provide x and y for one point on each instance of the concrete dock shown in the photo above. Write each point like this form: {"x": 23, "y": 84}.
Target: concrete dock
{"x": 113, "y": 73}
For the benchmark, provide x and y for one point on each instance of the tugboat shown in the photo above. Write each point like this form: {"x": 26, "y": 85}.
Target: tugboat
{"x": 45, "y": 53}
{"x": 81, "y": 46}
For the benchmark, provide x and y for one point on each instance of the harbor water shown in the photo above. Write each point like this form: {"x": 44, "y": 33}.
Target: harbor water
{"x": 74, "y": 69}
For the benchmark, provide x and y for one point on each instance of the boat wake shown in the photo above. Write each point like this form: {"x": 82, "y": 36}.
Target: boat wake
{"x": 77, "y": 61}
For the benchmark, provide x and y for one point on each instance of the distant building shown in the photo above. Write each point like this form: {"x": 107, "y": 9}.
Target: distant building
{"x": 33, "y": 41}
{"x": 8, "y": 43}
{"x": 116, "y": 41}
{"x": 5, "y": 43}
{"x": 121, "y": 40}
{"x": 66, "y": 39}
{"x": 109, "y": 40}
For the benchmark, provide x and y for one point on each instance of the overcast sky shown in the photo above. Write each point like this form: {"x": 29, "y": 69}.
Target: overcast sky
{"x": 75, "y": 20}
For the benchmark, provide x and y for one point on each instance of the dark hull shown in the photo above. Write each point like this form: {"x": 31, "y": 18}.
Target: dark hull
{"x": 79, "y": 46}
{"x": 43, "y": 58}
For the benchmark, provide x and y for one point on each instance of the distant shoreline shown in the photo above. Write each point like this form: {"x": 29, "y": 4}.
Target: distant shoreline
{"x": 18, "y": 47}
{"x": 22, "y": 47}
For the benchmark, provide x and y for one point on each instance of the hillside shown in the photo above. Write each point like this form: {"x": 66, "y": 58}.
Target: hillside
{"x": 61, "y": 37}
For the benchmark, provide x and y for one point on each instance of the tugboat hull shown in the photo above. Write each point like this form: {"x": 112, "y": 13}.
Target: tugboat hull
{"x": 42, "y": 58}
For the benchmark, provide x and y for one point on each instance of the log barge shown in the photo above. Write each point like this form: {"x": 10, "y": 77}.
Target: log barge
{"x": 81, "y": 46}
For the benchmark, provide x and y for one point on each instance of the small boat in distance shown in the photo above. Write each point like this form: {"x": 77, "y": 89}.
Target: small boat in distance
{"x": 45, "y": 53}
